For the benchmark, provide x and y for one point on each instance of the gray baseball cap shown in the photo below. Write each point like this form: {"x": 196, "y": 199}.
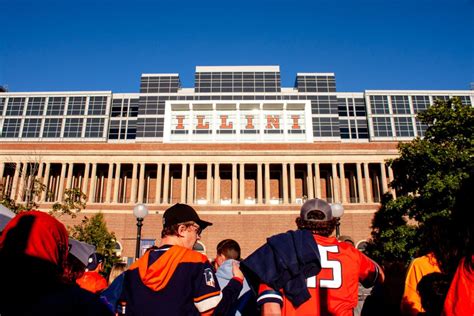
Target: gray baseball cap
{"x": 316, "y": 205}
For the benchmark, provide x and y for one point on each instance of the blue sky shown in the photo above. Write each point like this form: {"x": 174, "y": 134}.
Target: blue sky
{"x": 106, "y": 45}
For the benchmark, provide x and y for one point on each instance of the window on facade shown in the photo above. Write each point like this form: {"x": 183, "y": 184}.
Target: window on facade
{"x": 420, "y": 103}
{"x": 404, "y": 127}
{"x": 35, "y": 106}
{"x": 400, "y": 104}
{"x": 15, "y": 107}
{"x": 55, "y": 106}
{"x": 97, "y": 105}
{"x": 31, "y": 128}
{"x": 379, "y": 104}
{"x": 52, "y": 127}
{"x": 73, "y": 127}
{"x": 94, "y": 127}
{"x": 382, "y": 127}
{"x": 76, "y": 106}
{"x": 11, "y": 128}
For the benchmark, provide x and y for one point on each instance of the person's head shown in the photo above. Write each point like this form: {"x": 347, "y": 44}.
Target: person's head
{"x": 227, "y": 249}
{"x": 316, "y": 216}
{"x": 346, "y": 239}
{"x": 37, "y": 235}
{"x": 73, "y": 269}
{"x": 95, "y": 262}
{"x": 182, "y": 226}
{"x": 433, "y": 288}
{"x": 117, "y": 270}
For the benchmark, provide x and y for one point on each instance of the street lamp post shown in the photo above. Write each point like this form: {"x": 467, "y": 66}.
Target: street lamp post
{"x": 140, "y": 211}
{"x": 337, "y": 212}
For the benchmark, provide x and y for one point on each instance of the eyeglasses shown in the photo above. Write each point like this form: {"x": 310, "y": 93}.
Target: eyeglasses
{"x": 198, "y": 229}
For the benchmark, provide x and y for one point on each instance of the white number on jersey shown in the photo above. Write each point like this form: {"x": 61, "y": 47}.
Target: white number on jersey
{"x": 334, "y": 265}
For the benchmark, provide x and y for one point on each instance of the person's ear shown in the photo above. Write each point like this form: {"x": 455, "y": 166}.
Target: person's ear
{"x": 181, "y": 230}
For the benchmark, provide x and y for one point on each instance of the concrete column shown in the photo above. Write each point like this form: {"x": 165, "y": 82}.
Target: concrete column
{"x": 242, "y": 183}
{"x": 117, "y": 182}
{"x": 309, "y": 180}
{"x": 110, "y": 178}
{"x": 191, "y": 184}
{"x": 292, "y": 184}
{"x": 209, "y": 183}
{"x": 284, "y": 169}
{"x": 69, "y": 175}
{"x": 234, "y": 184}
{"x": 267, "y": 184}
{"x": 259, "y": 184}
{"x": 166, "y": 184}
{"x": 61, "y": 183}
{"x": 217, "y": 184}
{"x": 158, "y": 183}
{"x": 133, "y": 193}
{"x": 141, "y": 183}
{"x": 384, "y": 178}
{"x": 390, "y": 177}
{"x": 45, "y": 183}
{"x": 335, "y": 184}
{"x": 2, "y": 169}
{"x": 367, "y": 183}
{"x": 360, "y": 190}
{"x": 85, "y": 182}
{"x": 317, "y": 179}
{"x": 23, "y": 179}
{"x": 343, "y": 182}
{"x": 93, "y": 183}
{"x": 184, "y": 181}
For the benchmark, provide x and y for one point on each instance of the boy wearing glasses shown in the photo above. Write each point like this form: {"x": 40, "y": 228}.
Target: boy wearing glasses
{"x": 172, "y": 279}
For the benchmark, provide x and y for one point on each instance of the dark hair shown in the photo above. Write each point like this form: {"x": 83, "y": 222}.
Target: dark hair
{"x": 229, "y": 248}
{"x": 173, "y": 229}
{"x": 323, "y": 228}
{"x": 73, "y": 269}
{"x": 433, "y": 289}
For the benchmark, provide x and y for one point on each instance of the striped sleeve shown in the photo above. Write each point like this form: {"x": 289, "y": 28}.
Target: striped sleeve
{"x": 207, "y": 293}
{"x": 268, "y": 295}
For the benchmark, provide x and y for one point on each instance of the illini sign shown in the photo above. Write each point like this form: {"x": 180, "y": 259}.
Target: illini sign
{"x": 256, "y": 122}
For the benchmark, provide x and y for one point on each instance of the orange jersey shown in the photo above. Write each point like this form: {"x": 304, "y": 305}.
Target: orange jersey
{"x": 334, "y": 290}
{"x": 92, "y": 282}
{"x": 460, "y": 298}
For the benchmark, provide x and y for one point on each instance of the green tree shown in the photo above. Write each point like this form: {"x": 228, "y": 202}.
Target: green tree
{"x": 73, "y": 202}
{"x": 93, "y": 230}
{"x": 427, "y": 177}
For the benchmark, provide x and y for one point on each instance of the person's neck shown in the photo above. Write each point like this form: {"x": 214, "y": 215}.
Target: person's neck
{"x": 170, "y": 240}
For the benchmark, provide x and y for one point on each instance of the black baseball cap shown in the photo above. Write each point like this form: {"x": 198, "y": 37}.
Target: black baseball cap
{"x": 316, "y": 205}
{"x": 181, "y": 213}
{"x": 94, "y": 260}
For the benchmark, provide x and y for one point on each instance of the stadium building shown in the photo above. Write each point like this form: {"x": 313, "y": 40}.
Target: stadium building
{"x": 244, "y": 151}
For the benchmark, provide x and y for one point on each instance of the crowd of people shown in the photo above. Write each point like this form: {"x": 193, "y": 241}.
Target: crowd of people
{"x": 306, "y": 271}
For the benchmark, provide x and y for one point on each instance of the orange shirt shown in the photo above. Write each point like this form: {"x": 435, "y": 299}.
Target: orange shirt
{"x": 334, "y": 291}
{"x": 460, "y": 298}
{"x": 92, "y": 281}
{"x": 421, "y": 266}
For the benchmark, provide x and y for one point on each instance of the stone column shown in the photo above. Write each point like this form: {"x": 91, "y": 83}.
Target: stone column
{"x": 335, "y": 184}
{"x": 242, "y": 183}
{"x": 384, "y": 178}
{"x": 343, "y": 182}
{"x": 360, "y": 190}
{"x": 184, "y": 181}
{"x": 117, "y": 183}
{"x": 267, "y": 184}
{"x": 234, "y": 184}
{"x": 317, "y": 179}
{"x": 2, "y": 169}
{"x": 61, "y": 183}
{"x": 166, "y": 184}
{"x": 45, "y": 183}
{"x": 93, "y": 183}
{"x": 191, "y": 184}
{"x": 141, "y": 183}
{"x": 85, "y": 181}
{"x": 292, "y": 184}
{"x": 309, "y": 180}
{"x": 367, "y": 183}
{"x": 284, "y": 169}
{"x": 217, "y": 184}
{"x": 209, "y": 183}
{"x": 390, "y": 177}
{"x": 70, "y": 169}
{"x": 110, "y": 178}
{"x": 158, "y": 183}
{"x": 259, "y": 184}
{"x": 133, "y": 193}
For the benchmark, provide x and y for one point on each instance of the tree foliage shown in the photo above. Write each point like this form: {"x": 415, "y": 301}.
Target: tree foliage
{"x": 93, "y": 230}
{"x": 73, "y": 202}
{"x": 427, "y": 177}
